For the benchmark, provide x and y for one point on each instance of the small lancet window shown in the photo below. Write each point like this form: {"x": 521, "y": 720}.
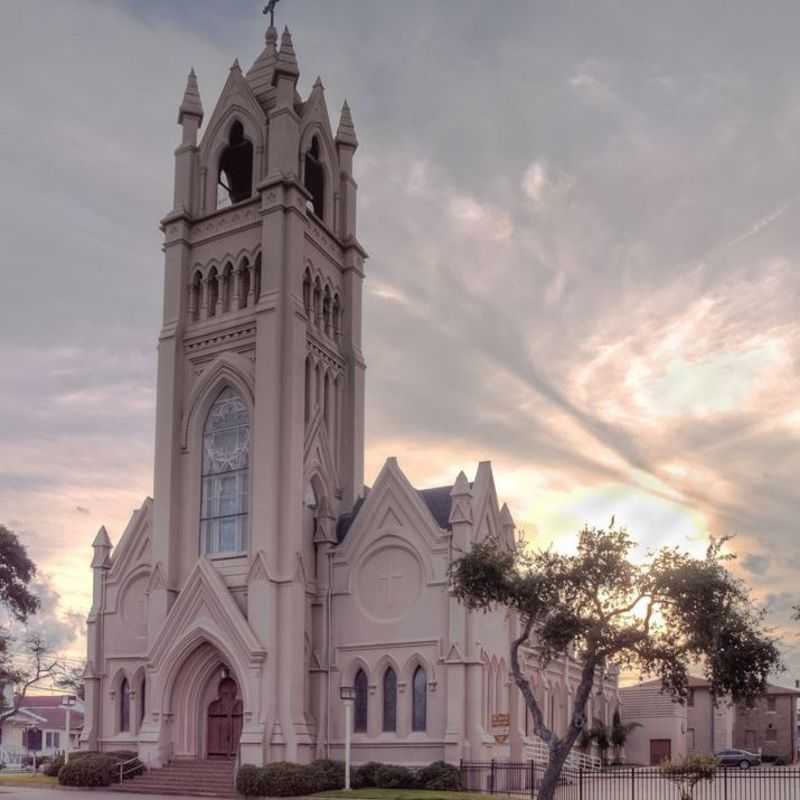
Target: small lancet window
{"x": 326, "y": 311}
{"x": 124, "y": 706}
{"x": 227, "y": 287}
{"x": 235, "y": 177}
{"x": 419, "y": 700}
{"x": 197, "y": 296}
{"x": 307, "y": 292}
{"x": 389, "y": 701}
{"x": 212, "y": 293}
{"x": 257, "y": 278}
{"x": 225, "y": 476}
{"x": 315, "y": 177}
{"x": 360, "y": 715}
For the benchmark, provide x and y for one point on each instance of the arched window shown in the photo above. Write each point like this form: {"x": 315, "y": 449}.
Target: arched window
{"x": 315, "y": 177}
{"x": 244, "y": 283}
{"x": 307, "y": 407}
{"x": 257, "y": 278}
{"x": 235, "y": 177}
{"x": 326, "y": 311}
{"x": 226, "y": 446}
{"x": 360, "y": 715}
{"x": 142, "y": 700}
{"x": 197, "y": 295}
{"x": 337, "y": 310}
{"x": 317, "y": 300}
{"x": 419, "y": 700}
{"x": 124, "y": 706}
{"x": 326, "y": 399}
{"x": 307, "y": 292}
{"x": 389, "y": 700}
{"x": 212, "y": 292}
{"x": 227, "y": 287}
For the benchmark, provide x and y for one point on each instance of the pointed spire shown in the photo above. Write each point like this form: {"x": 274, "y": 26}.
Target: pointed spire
{"x": 287, "y": 60}
{"x": 102, "y": 539}
{"x": 191, "y": 105}
{"x": 346, "y": 132}
{"x": 271, "y": 40}
{"x": 261, "y": 73}
{"x": 318, "y": 83}
{"x": 235, "y": 65}
{"x": 460, "y": 501}
{"x": 102, "y": 548}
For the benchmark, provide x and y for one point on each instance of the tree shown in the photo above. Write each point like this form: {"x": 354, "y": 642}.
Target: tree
{"x": 688, "y": 773}
{"x": 619, "y": 733}
{"x": 35, "y": 665}
{"x": 71, "y": 678}
{"x": 597, "y": 603}
{"x": 16, "y": 573}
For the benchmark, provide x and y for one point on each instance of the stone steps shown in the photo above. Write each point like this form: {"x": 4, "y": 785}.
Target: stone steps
{"x": 187, "y": 777}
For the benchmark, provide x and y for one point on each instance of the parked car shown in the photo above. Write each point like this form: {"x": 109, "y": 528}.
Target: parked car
{"x": 738, "y": 758}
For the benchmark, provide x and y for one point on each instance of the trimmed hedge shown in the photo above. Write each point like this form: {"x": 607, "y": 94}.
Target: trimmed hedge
{"x": 284, "y": 779}
{"x": 440, "y": 776}
{"x": 91, "y": 770}
{"x": 88, "y": 768}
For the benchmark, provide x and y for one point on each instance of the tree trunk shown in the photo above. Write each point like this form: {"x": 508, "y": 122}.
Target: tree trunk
{"x": 558, "y": 756}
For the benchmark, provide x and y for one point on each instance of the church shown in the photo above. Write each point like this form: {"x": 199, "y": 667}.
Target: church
{"x": 263, "y": 577}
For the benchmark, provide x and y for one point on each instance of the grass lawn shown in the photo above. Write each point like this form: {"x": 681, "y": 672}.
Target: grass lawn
{"x": 27, "y": 779}
{"x": 404, "y": 794}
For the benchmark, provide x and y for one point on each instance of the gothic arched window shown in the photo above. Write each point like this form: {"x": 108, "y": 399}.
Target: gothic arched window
{"x": 315, "y": 177}
{"x": 197, "y": 296}
{"x": 257, "y": 278}
{"x": 235, "y": 177}
{"x": 226, "y": 446}
{"x": 142, "y": 700}
{"x": 360, "y": 715}
{"x": 389, "y": 700}
{"x": 419, "y": 700}
{"x": 124, "y": 706}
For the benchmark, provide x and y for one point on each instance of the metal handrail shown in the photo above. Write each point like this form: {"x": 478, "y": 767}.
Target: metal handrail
{"x": 128, "y": 766}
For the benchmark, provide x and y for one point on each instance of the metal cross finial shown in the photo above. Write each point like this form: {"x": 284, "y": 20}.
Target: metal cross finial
{"x": 269, "y": 8}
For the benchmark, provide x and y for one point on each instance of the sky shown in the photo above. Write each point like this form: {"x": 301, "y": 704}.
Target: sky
{"x": 583, "y": 222}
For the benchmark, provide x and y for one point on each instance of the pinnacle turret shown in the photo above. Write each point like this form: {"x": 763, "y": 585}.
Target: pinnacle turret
{"x": 287, "y": 60}
{"x": 346, "y": 132}
{"x": 191, "y": 105}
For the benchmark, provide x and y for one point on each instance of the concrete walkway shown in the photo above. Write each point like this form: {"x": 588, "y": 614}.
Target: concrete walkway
{"x": 50, "y": 792}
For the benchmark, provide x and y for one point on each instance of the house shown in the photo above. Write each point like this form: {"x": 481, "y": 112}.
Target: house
{"x": 262, "y": 579}
{"x": 39, "y": 725}
{"x": 768, "y": 727}
{"x": 670, "y": 729}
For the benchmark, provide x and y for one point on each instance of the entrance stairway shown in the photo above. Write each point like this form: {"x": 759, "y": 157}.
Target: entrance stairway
{"x": 211, "y": 778}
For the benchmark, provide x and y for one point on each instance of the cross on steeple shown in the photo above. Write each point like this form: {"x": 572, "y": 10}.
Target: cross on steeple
{"x": 269, "y": 8}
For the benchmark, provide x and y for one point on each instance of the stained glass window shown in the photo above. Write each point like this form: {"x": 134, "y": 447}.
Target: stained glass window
{"x": 419, "y": 699}
{"x": 389, "y": 700}
{"x": 226, "y": 445}
{"x": 360, "y": 716}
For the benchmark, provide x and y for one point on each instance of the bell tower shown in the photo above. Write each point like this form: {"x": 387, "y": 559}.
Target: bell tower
{"x": 260, "y": 388}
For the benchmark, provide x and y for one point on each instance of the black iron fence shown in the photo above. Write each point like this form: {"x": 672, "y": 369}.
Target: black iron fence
{"x": 630, "y": 783}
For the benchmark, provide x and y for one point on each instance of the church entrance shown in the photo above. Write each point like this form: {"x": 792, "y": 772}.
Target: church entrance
{"x": 224, "y": 721}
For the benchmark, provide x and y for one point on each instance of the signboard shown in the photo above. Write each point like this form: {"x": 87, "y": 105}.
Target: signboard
{"x": 500, "y": 727}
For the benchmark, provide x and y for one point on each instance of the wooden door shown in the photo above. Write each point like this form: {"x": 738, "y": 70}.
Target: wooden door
{"x": 660, "y": 750}
{"x": 224, "y": 722}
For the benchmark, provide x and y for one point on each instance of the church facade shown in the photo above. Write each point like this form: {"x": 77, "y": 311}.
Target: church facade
{"x": 262, "y": 576}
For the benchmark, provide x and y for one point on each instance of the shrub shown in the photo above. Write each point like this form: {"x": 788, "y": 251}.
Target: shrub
{"x": 439, "y": 776}
{"x": 249, "y": 781}
{"x": 53, "y": 766}
{"x": 389, "y": 776}
{"x": 366, "y": 776}
{"x": 90, "y": 770}
{"x": 326, "y": 774}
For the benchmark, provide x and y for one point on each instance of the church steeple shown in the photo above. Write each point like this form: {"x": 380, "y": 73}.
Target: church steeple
{"x": 191, "y": 106}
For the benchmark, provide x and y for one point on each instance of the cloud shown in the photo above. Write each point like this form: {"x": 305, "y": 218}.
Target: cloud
{"x": 584, "y": 268}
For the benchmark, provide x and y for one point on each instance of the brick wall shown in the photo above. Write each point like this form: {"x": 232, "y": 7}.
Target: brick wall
{"x": 769, "y": 727}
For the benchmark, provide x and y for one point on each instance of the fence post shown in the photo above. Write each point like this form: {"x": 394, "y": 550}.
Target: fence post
{"x": 633, "y": 783}
{"x": 533, "y": 780}
{"x": 725, "y": 782}
{"x": 491, "y": 778}
{"x": 580, "y": 782}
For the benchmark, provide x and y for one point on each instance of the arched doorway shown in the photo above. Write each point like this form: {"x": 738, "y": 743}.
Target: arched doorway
{"x": 224, "y": 727}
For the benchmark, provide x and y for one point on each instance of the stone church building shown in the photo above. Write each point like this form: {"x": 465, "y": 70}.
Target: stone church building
{"x": 263, "y": 575}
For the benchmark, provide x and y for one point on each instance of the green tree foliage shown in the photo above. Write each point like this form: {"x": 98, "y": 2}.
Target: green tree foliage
{"x": 658, "y": 616}
{"x": 688, "y": 773}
